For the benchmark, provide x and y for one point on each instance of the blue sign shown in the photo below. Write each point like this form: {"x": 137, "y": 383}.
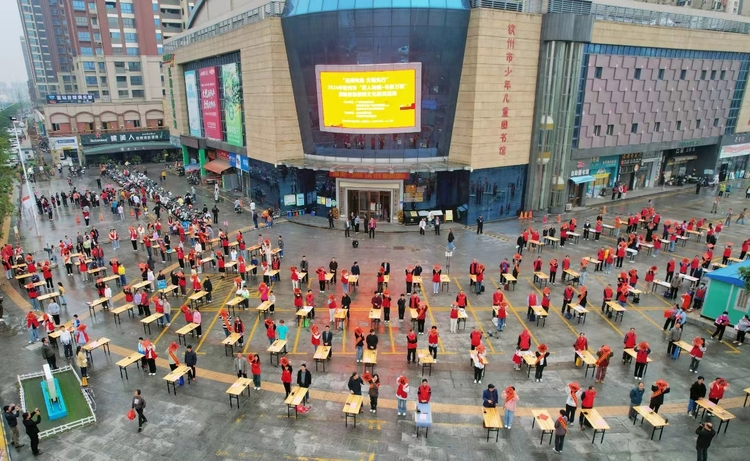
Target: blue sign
{"x": 244, "y": 164}
{"x": 604, "y": 162}
{"x": 233, "y": 160}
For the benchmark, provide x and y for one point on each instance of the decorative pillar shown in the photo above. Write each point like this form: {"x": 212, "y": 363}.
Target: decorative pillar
{"x": 202, "y": 160}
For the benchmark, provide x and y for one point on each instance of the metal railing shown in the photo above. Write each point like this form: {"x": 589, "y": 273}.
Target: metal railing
{"x": 664, "y": 19}
{"x": 520, "y": 6}
{"x": 271, "y": 9}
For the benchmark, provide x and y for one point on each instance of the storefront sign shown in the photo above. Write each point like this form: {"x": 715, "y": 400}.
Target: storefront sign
{"x": 581, "y": 172}
{"x": 363, "y": 175}
{"x": 175, "y": 141}
{"x": 244, "y": 163}
{"x": 631, "y": 159}
{"x": 737, "y": 150}
{"x": 171, "y": 96}
{"x": 98, "y": 139}
{"x": 222, "y": 154}
{"x": 65, "y": 143}
{"x": 690, "y": 143}
{"x": 728, "y": 140}
{"x": 684, "y": 150}
{"x": 209, "y": 83}
{"x": 70, "y": 99}
{"x": 510, "y": 46}
{"x": 604, "y": 162}
{"x": 233, "y": 160}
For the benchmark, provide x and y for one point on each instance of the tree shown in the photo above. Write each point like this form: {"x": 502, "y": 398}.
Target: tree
{"x": 745, "y": 277}
{"x": 8, "y": 175}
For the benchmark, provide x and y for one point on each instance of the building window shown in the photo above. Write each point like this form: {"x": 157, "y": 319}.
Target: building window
{"x": 637, "y": 74}
{"x": 698, "y": 123}
{"x": 661, "y": 74}
{"x": 131, "y": 37}
{"x": 634, "y": 128}
{"x": 66, "y": 78}
{"x": 84, "y": 37}
{"x": 703, "y": 74}
{"x": 657, "y": 127}
{"x": 132, "y": 51}
{"x": 157, "y": 21}
{"x": 122, "y": 79}
{"x": 79, "y": 5}
{"x": 116, "y": 50}
{"x": 156, "y": 7}
{"x": 55, "y": 127}
{"x": 158, "y": 36}
{"x": 123, "y": 93}
{"x": 92, "y": 7}
{"x": 134, "y": 66}
{"x": 103, "y": 80}
{"x": 95, "y": 94}
{"x": 115, "y": 36}
{"x": 679, "y": 125}
{"x": 110, "y": 5}
{"x": 89, "y": 66}
{"x": 82, "y": 21}
{"x": 102, "y": 67}
{"x": 119, "y": 64}
{"x": 87, "y": 51}
{"x": 722, "y": 75}
{"x": 128, "y": 23}
{"x": 610, "y": 130}
{"x": 91, "y": 80}
{"x": 126, "y": 8}
{"x": 597, "y": 130}
{"x": 713, "y": 75}
{"x": 683, "y": 74}
{"x": 105, "y": 92}
{"x": 113, "y": 22}
{"x": 99, "y": 51}
{"x": 716, "y": 122}
{"x": 136, "y": 80}
{"x": 598, "y": 72}
{"x": 97, "y": 37}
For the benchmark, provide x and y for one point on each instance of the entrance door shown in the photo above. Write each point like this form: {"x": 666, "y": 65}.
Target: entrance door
{"x": 369, "y": 204}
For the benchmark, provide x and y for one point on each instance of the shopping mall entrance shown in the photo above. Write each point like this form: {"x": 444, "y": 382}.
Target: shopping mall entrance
{"x": 369, "y": 204}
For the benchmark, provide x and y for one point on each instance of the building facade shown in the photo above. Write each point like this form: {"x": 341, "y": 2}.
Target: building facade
{"x": 502, "y": 106}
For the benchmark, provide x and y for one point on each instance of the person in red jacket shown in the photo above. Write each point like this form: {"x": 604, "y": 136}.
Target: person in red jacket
{"x": 497, "y": 297}
{"x": 629, "y": 342}
{"x": 524, "y": 340}
{"x": 567, "y": 297}
{"x": 321, "y": 278}
{"x": 461, "y": 299}
{"x": 607, "y": 297}
{"x": 552, "y": 270}
{"x": 286, "y": 375}
{"x": 565, "y": 266}
{"x": 421, "y": 317}
{"x": 310, "y": 301}
{"x": 255, "y": 370}
{"x": 581, "y": 344}
{"x": 476, "y": 338}
{"x": 587, "y": 402}
{"x": 502, "y": 314}
{"x": 454, "y": 317}
{"x": 531, "y": 301}
{"x": 716, "y": 390}
{"x": 546, "y": 299}
{"x": 409, "y": 271}
{"x": 424, "y": 392}
{"x": 271, "y": 331}
{"x": 411, "y": 347}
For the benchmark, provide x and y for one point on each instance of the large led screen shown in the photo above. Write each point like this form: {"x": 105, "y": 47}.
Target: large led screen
{"x": 375, "y": 98}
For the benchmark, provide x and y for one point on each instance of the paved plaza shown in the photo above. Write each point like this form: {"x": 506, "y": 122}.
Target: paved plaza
{"x": 197, "y": 423}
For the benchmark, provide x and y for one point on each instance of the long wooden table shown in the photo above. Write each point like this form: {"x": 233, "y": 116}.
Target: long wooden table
{"x": 597, "y": 423}
{"x": 197, "y": 296}
{"x": 546, "y": 424}
{"x": 683, "y": 346}
{"x": 492, "y": 422}
{"x": 616, "y": 308}
{"x": 296, "y": 397}
{"x": 710, "y": 407}
{"x": 370, "y": 359}
{"x": 647, "y": 414}
{"x": 119, "y": 310}
{"x": 321, "y": 356}
{"x": 92, "y": 305}
{"x": 425, "y": 359}
{"x": 93, "y": 345}
{"x": 237, "y": 388}
{"x": 175, "y": 376}
{"x": 352, "y": 407}
{"x": 633, "y": 354}
{"x": 276, "y": 349}
{"x": 149, "y": 320}
{"x": 589, "y": 360}
{"x": 184, "y": 331}
{"x": 127, "y": 361}
{"x": 229, "y": 342}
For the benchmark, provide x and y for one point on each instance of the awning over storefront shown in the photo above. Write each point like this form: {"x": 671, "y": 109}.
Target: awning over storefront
{"x": 217, "y": 166}
{"x": 582, "y": 179}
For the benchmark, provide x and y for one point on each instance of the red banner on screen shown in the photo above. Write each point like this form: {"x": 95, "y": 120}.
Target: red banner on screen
{"x": 209, "y": 84}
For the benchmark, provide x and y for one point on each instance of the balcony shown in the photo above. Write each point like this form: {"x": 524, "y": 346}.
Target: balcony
{"x": 169, "y": 29}
{"x": 167, "y": 15}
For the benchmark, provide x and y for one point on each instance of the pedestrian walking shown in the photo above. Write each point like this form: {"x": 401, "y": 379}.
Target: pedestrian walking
{"x": 721, "y": 325}
{"x": 705, "y": 433}
{"x": 139, "y": 404}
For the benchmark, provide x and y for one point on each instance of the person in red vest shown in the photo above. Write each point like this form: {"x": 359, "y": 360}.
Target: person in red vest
{"x": 531, "y": 300}
{"x": 460, "y": 299}
{"x": 700, "y": 295}
{"x": 598, "y": 231}
{"x": 608, "y": 294}
{"x": 565, "y": 266}
{"x": 473, "y": 267}
{"x": 695, "y": 264}
{"x": 476, "y": 338}
{"x": 727, "y": 253}
{"x": 581, "y": 344}
{"x": 587, "y": 402}
{"x": 620, "y": 254}
{"x": 650, "y": 275}
{"x": 424, "y": 392}
{"x": 480, "y": 279}
{"x": 524, "y": 340}
{"x": 409, "y": 278}
{"x": 553, "y": 270}
{"x": 567, "y": 297}
{"x": 629, "y": 342}
{"x": 716, "y": 390}
{"x": 497, "y": 297}
{"x": 670, "y": 270}
{"x": 538, "y": 264}
{"x": 642, "y": 351}
{"x": 600, "y": 255}
{"x": 411, "y": 347}
{"x": 744, "y": 248}
{"x": 546, "y": 298}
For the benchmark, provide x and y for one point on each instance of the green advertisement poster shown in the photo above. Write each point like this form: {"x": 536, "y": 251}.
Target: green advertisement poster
{"x": 232, "y": 103}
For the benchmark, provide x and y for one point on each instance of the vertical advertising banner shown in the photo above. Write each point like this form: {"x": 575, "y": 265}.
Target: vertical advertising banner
{"x": 194, "y": 113}
{"x": 230, "y": 82}
{"x": 209, "y": 84}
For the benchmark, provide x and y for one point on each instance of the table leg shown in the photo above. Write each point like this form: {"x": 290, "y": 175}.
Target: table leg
{"x": 120, "y": 372}
{"x": 661, "y": 432}
{"x": 745, "y": 404}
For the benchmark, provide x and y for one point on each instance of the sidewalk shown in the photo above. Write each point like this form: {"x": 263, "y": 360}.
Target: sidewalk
{"x": 391, "y": 228}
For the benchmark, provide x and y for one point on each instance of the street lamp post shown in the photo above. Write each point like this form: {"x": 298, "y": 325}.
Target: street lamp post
{"x": 14, "y": 121}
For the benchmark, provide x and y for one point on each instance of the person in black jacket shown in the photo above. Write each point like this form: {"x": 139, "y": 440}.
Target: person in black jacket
{"x": 355, "y": 271}
{"x": 328, "y": 340}
{"x": 12, "y": 413}
{"x": 32, "y": 429}
{"x": 346, "y": 302}
{"x": 304, "y": 379}
{"x": 401, "y": 307}
{"x": 705, "y": 434}
{"x": 372, "y": 341}
{"x": 191, "y": 359}
{"x": 697, "y": 391}
{"x": 355, "y": 386}
{"x": 208, "y": 287}
{"x": 333, "y": 267}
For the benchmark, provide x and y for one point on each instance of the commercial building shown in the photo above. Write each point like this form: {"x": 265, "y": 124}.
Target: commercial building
{"x": 474, "y": 108}
{"x": 108, "y": 81}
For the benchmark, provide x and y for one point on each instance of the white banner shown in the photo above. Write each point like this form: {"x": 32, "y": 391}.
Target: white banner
{"x": 737, "y": 150}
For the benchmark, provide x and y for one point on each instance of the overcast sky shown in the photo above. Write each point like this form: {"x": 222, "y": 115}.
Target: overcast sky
{"x": 11, "y": 56}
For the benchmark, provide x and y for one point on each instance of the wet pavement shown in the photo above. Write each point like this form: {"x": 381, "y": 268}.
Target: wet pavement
{"x": 197, "y": 423}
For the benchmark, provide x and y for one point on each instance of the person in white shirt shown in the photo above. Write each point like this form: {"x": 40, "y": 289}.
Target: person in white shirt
{"x": 67, "y": 341}
{"x": 107, "y": 292}
{"x": 233, "y": 255}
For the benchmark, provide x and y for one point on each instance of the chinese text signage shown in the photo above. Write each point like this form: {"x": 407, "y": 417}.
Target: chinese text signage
{"x": 510, "y": 45}
{"x": 232, "y": 88}
{"x": 118, "y": 138}
{"x": 70, "y": 99}
{"x": 193, "y": 104}
{"x": 209, "y": 84}
{"x": 363, "y": 175}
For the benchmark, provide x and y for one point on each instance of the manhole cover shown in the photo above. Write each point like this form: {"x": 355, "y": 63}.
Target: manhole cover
{"x": 398, "y": 248}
